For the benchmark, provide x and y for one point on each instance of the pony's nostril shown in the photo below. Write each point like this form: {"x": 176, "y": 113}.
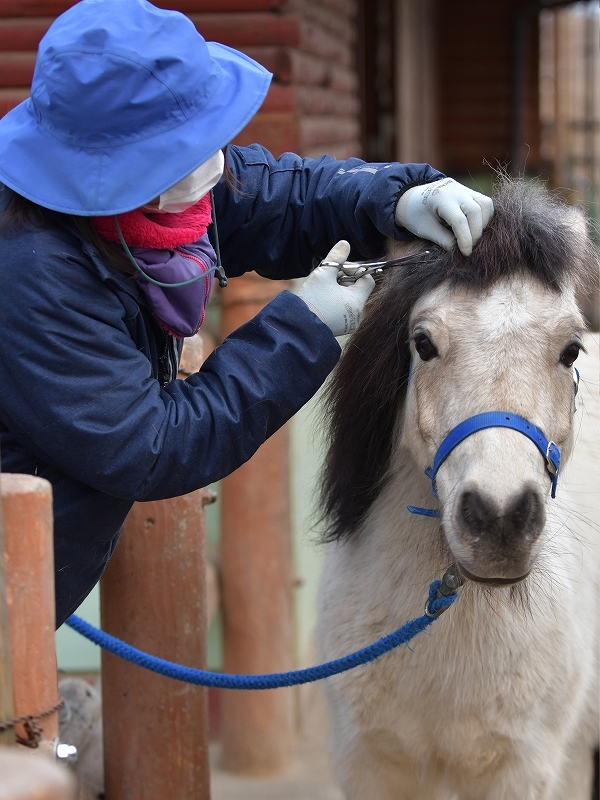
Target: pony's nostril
{"x": 481, "y": 515}
{"x": 525, "y": 513}
{"x": 477, "y": 512}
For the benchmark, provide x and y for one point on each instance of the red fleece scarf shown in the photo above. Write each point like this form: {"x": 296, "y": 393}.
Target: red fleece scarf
{"x": 158, "y": 231}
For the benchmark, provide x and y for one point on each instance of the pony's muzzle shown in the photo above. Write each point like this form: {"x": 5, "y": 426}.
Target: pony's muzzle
{"x": 497, "y": 541}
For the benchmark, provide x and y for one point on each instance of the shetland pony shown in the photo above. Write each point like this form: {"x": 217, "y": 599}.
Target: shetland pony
{"x": 499, "y": 699}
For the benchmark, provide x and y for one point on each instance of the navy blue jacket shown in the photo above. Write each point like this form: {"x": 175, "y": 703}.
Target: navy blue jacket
{"x": 87, "y": 398}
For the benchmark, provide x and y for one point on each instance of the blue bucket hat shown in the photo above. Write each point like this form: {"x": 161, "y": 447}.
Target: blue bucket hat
{"x": 126, "y": 100}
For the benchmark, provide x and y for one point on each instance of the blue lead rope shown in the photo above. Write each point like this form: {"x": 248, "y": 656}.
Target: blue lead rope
{"x": 436, "y": 604}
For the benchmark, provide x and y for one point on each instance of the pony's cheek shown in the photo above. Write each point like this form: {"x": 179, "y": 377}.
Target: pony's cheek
{"x": 418, "y": 427}
{"x": 561, "y": 417}
{"x": 423, "y": 399}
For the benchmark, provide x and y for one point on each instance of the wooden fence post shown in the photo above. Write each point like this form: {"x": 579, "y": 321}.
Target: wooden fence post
{"x": 258, "y": 728}
{"x": 153, "y": 597}
{"x": 6, "y": 696}
{"x": 29, "y": 560}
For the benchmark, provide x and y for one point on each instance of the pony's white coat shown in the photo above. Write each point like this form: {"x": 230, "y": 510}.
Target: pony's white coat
{"x": 499, "y": 700}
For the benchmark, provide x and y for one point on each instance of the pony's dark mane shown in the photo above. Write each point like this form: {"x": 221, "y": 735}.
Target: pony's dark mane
{"x": 530, "y": 232}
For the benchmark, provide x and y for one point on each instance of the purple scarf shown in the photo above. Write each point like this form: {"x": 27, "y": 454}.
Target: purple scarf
{"x": 180, "y": 311}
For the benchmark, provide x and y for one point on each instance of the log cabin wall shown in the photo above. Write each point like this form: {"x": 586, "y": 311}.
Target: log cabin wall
{"x": 308, "y": 45}
{"x": 488, "y": 85}
{"x": 416, "y": 82}
{"x": 450, "y": 82}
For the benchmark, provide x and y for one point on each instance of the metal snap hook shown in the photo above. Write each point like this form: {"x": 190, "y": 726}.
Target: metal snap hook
{"x": 451, "y": 582}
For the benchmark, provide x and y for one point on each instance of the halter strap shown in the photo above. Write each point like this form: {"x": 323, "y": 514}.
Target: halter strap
{"x": 491, "y": 419}
{"x": 497, "y": 419}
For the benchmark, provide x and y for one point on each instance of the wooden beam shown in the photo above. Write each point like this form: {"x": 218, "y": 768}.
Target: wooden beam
{"x": 153, "y": 596}
{"x": 258, "y": 728}
{"x": 23, "y": 33}
{"x": 29, "y": 559}
{"x": 257, "y": 29}
{"x": 6, "y": 688}
{"x": 319, "y": 129}
{"x": 9, "y": 98}
{"x": 278, "y": 131}
{"x": 40, "y": 8}
{"x": 416, "y": 89}
{"x": 16, "y": 69}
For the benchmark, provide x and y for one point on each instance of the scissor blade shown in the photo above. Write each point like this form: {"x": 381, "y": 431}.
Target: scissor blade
{"x": 350, "y": 272}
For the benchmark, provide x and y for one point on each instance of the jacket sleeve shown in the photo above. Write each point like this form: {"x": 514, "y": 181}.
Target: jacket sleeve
{"x": 80, "y": 394}
{"x": 280, "y": 216}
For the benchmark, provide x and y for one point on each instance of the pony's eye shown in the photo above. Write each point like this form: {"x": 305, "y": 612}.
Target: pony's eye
{"x": 424, "y": 347}
{"x": 569, "y": 354}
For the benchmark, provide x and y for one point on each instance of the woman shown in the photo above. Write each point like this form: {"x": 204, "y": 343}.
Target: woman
{"x": 106, "y": 170}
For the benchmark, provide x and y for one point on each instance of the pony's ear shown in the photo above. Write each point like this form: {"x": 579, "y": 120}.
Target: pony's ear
{"x": 362, "y": 403}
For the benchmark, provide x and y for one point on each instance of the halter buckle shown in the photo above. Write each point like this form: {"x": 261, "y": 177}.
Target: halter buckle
{"x": 550, "y": 465}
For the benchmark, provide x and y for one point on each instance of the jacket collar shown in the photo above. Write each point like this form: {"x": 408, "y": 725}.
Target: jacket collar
{"x": 128, "y": 285}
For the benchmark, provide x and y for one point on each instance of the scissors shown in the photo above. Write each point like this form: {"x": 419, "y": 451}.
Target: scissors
{"x": 351, "y": 271}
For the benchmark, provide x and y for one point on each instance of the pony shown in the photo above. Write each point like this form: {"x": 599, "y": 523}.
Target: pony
{"x": 499, "y": 699}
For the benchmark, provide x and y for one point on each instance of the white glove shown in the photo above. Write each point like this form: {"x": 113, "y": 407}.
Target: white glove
{"x": 339, "y": 307}
{"x": 423, "y": 210}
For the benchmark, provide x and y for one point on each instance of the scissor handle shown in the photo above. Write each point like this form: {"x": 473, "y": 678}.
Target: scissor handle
{"x": 351, "y": 271}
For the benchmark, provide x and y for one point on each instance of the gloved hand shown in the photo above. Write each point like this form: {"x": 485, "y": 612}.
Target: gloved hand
{"x": 339, "y": 307}
{"x": 423, "y": 210}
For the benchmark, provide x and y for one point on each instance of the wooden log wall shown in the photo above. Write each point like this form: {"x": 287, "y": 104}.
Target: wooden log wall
{"x": 313, "y": 104}
{"x": 476, "y": 54}
{"x": 570, "y": 99}
{"x": 570, "y": 113}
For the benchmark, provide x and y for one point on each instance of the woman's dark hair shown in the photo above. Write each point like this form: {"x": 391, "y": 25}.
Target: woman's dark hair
{"x": 20, "y": 213}
{"x": 231, "y": 179}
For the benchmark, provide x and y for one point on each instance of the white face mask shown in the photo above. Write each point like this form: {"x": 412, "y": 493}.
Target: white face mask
{"x": 190, "y": 189}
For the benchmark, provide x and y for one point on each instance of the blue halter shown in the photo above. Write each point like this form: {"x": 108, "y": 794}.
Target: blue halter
{"x": 491, "y": 419}
{"x": 495, "y": 419}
